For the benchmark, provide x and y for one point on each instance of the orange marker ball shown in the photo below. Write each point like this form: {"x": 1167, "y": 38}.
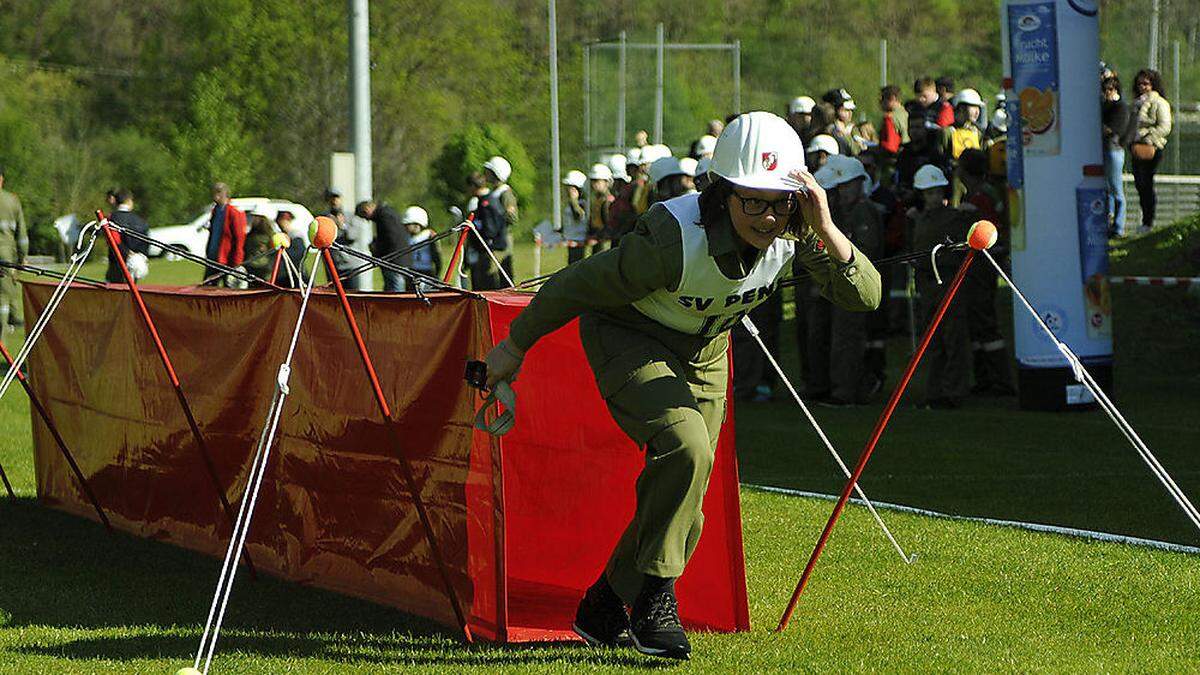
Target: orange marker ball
{"x": 982, "y": 235}
{"x": 322, "y": 232}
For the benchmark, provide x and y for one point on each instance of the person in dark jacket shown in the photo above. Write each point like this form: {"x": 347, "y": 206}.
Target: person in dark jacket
{"x": 124, "y": 216}
{"x": 390, "y": 236}
{"x": 1114, "y": 121}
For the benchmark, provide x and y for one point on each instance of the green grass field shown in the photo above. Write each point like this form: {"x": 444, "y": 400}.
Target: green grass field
{"x": 980, "y": 597}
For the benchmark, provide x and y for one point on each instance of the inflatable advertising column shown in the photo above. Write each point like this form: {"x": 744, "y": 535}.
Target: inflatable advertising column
{"x": 1059, "y": 238}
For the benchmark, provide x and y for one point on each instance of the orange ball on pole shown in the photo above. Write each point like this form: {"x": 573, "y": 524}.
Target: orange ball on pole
{"x": 322, "y": 232}
{"x": 982, "y": 235}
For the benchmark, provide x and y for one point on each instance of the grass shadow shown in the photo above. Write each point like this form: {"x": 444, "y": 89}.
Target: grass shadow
{"x": 143, "y": 599}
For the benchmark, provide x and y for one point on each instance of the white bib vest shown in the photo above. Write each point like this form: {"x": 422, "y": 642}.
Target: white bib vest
{"x": 707, "y": 302}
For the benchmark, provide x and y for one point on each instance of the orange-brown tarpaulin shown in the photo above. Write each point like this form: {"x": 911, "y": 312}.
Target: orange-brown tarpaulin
{"x": 525, "y": 524}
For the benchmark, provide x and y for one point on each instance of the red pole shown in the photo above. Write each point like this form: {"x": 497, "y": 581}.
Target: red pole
{"x": 456, "y": 258}
{"x": 405, "y": 469}
{"x": 880, "y": 425}
{"x": 166, "y": 361}
{"x": 37, "y": 405}
{"x": 275, "y": 269}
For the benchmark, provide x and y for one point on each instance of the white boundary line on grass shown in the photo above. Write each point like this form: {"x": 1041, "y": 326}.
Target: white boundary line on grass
{"x": 1034, "y": 527}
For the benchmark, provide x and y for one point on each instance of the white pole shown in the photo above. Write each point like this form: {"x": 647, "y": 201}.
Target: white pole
{"x": 753, "y": 330}
{"x": 555, "y": 168}
{"x": 883, "y": 64}
{"x": 587, "y": 103}
{"x": 658, "y": 93}
{"x": 1177, "y": 126}
{"x": 737, "y": 77}
{"x": 1153, "y": 60}
{"x": 621, "y": 97}
{"x": 360, "y": 98}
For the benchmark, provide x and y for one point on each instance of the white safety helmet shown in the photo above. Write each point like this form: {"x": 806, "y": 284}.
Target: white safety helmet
{"x": 706, "y": 145}
{"x": 415, "y": 214}
{"x": 929, "y": 176}
{"x": 838, "y": 170}
{"x": 633, "y": 157}
{"x": 600, "y": 172}
{"x": 801, "y": 104}
{"x": 653, "y": 153}
{"x": 1000, "y": 119}
{"x": 967, "y": 96}
{"x": 664, "y": 167}
{"x": 575, "y": 179}
{"x": 758, "y": 150}
{"x": 824, "y": 142}
{"x": 687, "y": 166}
{"x": 499, "y": 166}
{"x": 138, "y": 264}
{"x": 617, "y": 164}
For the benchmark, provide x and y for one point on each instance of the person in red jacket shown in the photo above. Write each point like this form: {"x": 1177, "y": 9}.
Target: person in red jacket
{"x": 226, "y": 231}
{"x": 945, "y": 104}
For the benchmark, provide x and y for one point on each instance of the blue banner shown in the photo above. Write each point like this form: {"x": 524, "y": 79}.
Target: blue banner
{"x": 1033, "y": 58}
{"x": 1091, "y": 208}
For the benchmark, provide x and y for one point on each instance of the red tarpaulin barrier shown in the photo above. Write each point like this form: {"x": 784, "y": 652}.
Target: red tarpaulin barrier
{"x": 525, "y": 523}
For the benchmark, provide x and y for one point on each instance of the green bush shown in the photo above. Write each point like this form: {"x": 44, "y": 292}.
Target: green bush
{"x": 466, "y": 151}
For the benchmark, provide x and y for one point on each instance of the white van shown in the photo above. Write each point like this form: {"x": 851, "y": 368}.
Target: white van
{"x": 194, "y": 235}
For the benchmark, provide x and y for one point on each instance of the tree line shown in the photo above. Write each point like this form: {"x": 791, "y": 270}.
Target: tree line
{"x": 166, "y": 96}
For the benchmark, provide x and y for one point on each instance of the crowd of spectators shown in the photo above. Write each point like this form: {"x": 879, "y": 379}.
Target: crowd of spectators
{"x": 918, "y": 170}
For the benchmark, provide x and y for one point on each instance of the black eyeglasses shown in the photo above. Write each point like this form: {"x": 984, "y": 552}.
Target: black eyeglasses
{"x": 753, "y": 206}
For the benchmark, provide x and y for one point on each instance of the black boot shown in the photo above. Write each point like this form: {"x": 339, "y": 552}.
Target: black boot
{"x": 601, "y": 617}
{"x": 655, "y": 621}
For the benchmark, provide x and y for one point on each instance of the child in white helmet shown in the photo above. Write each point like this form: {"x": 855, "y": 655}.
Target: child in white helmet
{"x": 654, "y": 319}
{"x": 948, "y": 359}
{"x": 424, "y": 259}
{"x": 599, "y": 217}
{"x": 574, "y": 216}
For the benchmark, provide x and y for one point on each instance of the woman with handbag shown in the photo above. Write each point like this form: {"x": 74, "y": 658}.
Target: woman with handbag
{"x": 1150, "y": 125}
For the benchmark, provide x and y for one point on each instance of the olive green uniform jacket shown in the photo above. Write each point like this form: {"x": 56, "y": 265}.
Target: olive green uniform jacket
{"x": 664, "y": 388}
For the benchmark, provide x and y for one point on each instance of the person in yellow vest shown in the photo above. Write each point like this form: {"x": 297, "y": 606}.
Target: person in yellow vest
{"x": 654, "y": 319}
{"x": 965, "y": 132}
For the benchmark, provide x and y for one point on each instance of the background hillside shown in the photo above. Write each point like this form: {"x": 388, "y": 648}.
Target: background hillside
{"x": 167, "y": 95}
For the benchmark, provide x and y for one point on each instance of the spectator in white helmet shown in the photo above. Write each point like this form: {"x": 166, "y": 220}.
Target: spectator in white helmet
{"x": 574, "y": 216}
{"x": 426, "y": 258}
{"x": 600, "y": 229}
{"x": 965, "y": 133}
{"x": 820, "y": 149}
{"x": 800, "y": 117}
{"x": 495, "y": 216}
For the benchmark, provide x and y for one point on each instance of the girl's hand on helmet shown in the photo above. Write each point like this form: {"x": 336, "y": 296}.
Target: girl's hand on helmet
{"x": 814, "y": 203}
{"x": 503, "y": 362}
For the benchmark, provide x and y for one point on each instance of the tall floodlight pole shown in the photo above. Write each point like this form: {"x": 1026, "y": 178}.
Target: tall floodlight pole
{"x": 737, "y": 77}
{"x": 658, "y": 92}
{"x": 587, "y": 102}
{"x": 1177, "y": 102}
{"x": 620, "y": 144}
{"x": 360, "y": 98}
{"x": 1153, "y": 60}
{"x": 555, "y": 168}
{"x": 883, "y": 80}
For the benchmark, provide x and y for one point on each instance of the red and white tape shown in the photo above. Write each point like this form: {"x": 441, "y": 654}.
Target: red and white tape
{"x": 1183, "y": 282}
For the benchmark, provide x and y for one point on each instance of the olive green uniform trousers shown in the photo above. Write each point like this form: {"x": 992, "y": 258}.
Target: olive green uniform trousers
{"x": 670, "y": 399}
